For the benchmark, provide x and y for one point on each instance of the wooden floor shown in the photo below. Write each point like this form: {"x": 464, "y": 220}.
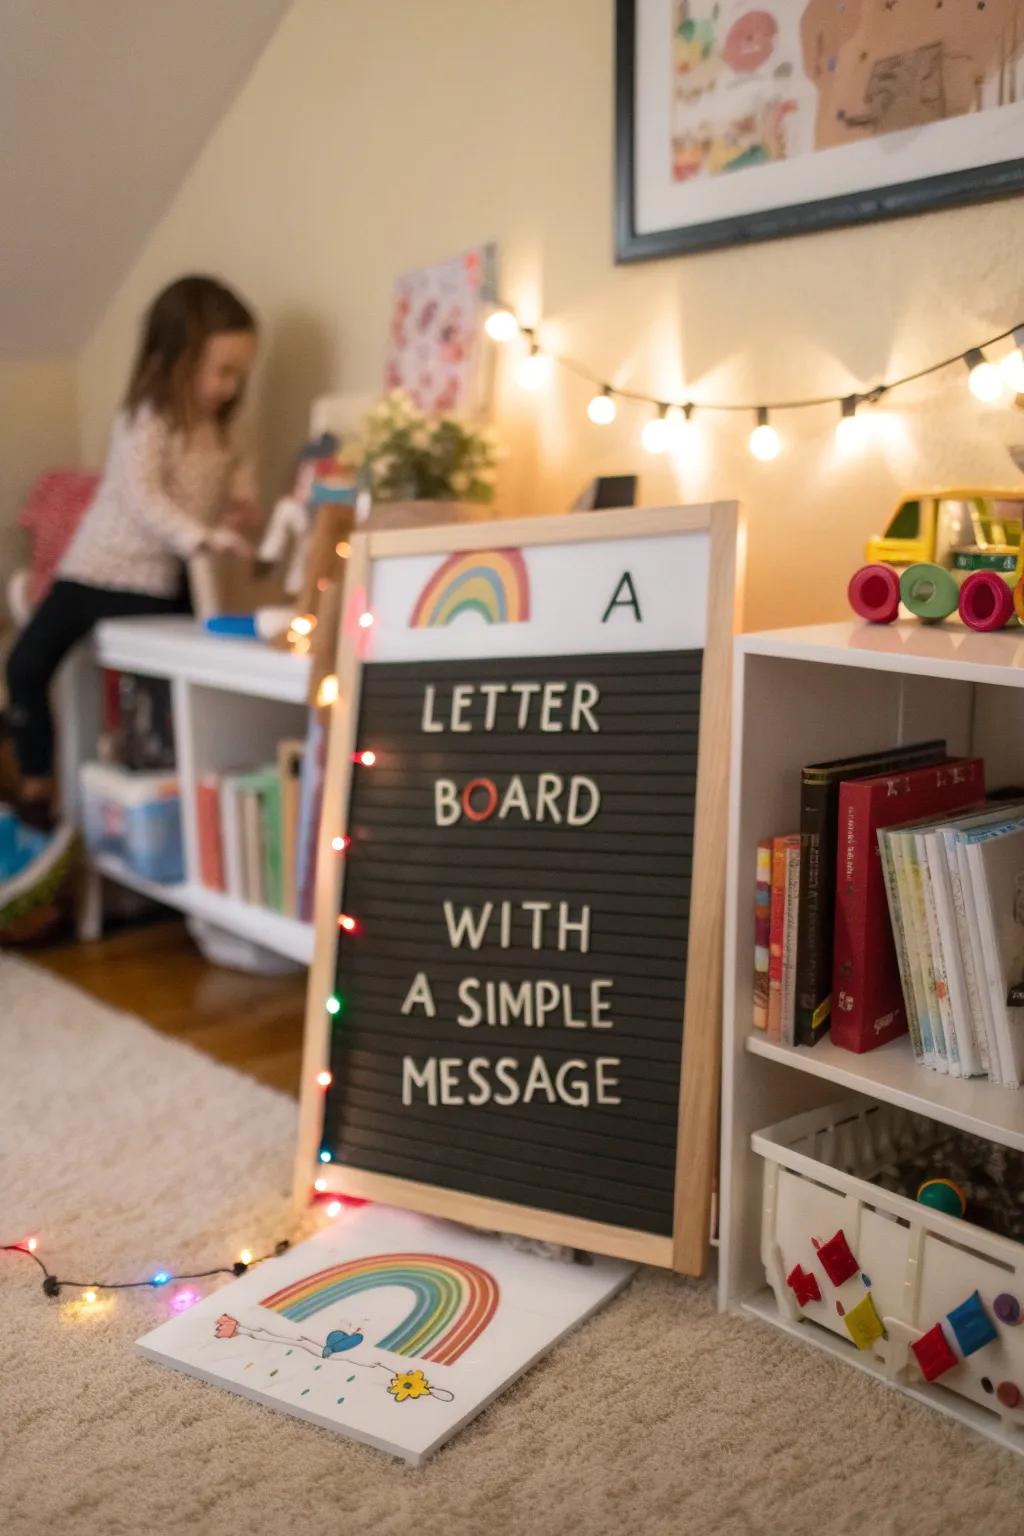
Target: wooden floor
{"x": 253, "y": 1023}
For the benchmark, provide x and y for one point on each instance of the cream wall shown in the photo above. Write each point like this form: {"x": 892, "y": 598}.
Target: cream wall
{"x": 38, "y": 430}
{"x": 372, "y": 138}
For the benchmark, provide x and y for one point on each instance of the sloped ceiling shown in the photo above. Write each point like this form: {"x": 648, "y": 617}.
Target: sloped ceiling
{"x": 104, "y": 105}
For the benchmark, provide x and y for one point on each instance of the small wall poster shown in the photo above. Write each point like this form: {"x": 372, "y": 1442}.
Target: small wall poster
{"x": 388, "y": 1328}
{"x": 435, "y": 341}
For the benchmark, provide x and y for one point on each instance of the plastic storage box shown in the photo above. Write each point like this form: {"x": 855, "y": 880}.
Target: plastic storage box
{"x": 928, "y": 1302}
{"x": 135, "y": 817}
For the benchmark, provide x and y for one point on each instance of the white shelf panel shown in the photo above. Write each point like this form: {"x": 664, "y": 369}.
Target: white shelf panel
{"x": 948, "y": 650}
{"x": 284, "y": 935}
{"x": 762, "y": 1306}
{"x": 180, "y": 647}
{"x": 890, "y": 1073}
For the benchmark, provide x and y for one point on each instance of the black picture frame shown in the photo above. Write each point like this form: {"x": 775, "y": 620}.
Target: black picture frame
{"x": 927, "y": 194}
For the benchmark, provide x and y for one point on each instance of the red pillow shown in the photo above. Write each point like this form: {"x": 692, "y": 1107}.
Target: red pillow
{"x": 50, "y": 516}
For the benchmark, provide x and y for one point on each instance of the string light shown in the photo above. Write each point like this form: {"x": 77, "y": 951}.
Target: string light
{"x": 334, "y": 1208}
{"x": 655, "y": 436}
{"x": 333, "y": 1005}
{"x": 367, "y": 759}
{"x": 602, "y": 409}
{"x": 54, "y": 1284}
{"x": 680, "y": 426}
{"x": 501, "y": 324}
{"x": 31, "y": 1244}
{"x": 1013, "y": 363}
{"x": 986, "y": 383}
{"x": 339, "y": 844}
{"x": 184, "y": 1299}
{"x": 764, "y": 440}
{"x": 304, "y": 624}
{"x": 365, "y": 620}
{"x": 325, "y": 1079}
{"x": 535, "y": 368}
{"x": 327, "y": 693}
{"x": 349, "y": 924}
{"x": 319, "y": 1185}
{"x": 983, "y": 378}
{"x": 850, "y": 427}
{"x": 343, "y": 550}
{"x": 325, "y": 1156}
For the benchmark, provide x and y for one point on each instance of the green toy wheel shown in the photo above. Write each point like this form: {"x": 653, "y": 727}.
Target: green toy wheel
{"x": 929, "y": 591}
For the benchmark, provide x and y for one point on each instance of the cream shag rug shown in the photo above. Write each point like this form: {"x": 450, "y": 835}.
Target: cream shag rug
{"x": 127, "y": 1151}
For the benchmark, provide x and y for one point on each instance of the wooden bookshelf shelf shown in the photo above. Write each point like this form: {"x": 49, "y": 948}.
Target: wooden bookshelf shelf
{"x": 803, "y": 696}
{"x": 890, "y": 1073}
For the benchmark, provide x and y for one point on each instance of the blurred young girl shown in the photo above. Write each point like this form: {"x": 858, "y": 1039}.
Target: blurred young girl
{"x": 170, "y": 488}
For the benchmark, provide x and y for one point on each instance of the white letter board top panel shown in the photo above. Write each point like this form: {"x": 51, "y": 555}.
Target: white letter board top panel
{"x": 606, "y": 595}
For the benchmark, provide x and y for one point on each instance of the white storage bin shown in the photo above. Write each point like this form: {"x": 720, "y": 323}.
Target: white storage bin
{"x": 135, "y": 817}
{"x": 916, "y": 1264}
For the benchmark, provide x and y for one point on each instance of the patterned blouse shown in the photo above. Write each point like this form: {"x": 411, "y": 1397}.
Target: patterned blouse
{"x": 158, "y": 495}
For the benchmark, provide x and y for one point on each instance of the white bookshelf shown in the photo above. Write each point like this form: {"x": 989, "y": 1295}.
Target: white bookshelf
{"x": 803, "y": 696}
{"x": 232, "y": 701}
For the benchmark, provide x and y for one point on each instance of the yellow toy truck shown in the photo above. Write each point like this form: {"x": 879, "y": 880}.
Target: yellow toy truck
{"x": 946, "y": 551}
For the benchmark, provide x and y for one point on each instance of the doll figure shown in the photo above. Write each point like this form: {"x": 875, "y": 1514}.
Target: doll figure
{"x": 292, "y": 518}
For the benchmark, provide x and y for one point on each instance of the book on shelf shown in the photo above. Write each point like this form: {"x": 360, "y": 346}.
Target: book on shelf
{"x": 993, "y": 858}
{"x": 819, "y": 822}
{"x": 762, "y": 931}
{"x": 868, "y": 1007}
{"x": 252, "y": 842}
{"x": 208, "y": 832}
{"x": 785, "y": 890}
{"x": 311, "y": 789}
{"x": 232, "y": 839}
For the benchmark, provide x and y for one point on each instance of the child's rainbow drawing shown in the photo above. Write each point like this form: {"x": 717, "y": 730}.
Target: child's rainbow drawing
{"x": 491, "y": 583}
{"x": 453, "y": 1301}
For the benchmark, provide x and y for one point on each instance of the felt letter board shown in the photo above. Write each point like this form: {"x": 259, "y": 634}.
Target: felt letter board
{"x": 513, "y": 1015}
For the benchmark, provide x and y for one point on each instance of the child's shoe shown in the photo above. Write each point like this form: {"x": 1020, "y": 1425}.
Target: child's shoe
{"x": 34, "y": 868}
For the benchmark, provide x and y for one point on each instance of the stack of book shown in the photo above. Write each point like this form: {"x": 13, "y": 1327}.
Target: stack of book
{"x": 898, "y": 907}
{"x": 257, "y": 831}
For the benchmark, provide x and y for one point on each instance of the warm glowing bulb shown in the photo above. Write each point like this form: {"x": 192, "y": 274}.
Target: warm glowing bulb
{"x": 325, "y": 1079}
{"x": 501, "y": 325}
{"x": 365, "y": 620}
{"x": 601, "y": 409}
{"x": 334, "y": 1208}
{"x": 343, "y": 550}
{"x": 349, "y": 925}
{"x": 303, "y": 625}
{"x": 534, "y": 370}
{"x": 334, "y": 1005}
{"x": 656, "y": 433}
{"x": 764, "y": 440}
{"x": 985, "y": 382}
{"x": 367, "y": 759}
{"x": 339, "y": 844}
{"x": 319, "y": 1185}
{"x": 327, "y": 693}
{"x": 89, "y": 1296}
{"x": 1012, "y": 366}
{"x": 850, "y": 428}
{"x": 680, "y": 428}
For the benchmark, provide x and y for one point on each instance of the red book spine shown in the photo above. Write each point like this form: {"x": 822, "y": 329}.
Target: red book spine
{"x": 211, "y": 858}
{"x": 777, "y": 917}
{"x": 868, "y": 1008}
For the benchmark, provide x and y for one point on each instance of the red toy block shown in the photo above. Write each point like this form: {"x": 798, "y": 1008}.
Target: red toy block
{"x": 836, "y": 1259}
{"x": 804, "y": 1286}
{"x": 934, "y": 1355}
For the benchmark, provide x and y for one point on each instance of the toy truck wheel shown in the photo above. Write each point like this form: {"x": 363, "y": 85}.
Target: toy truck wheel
{"x": 874, "y": 593}
{"x": 986, "y": 601}
{"x": 929, "y": 591}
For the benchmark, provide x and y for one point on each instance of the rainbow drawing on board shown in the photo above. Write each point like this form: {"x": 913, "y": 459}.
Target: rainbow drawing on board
{"x": 453, "y": 1301}
{"x": 491, "y": 583}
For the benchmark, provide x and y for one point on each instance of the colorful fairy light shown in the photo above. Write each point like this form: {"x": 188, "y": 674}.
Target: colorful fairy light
{"x": 339, "y": 844}
{"x": 334, "y": 1005}
{"x": 53, "y": 1284}
{"x": 334, "y": 1208}
{"x": 31, "y": 1243}
{"x": 366, "y": 759}
{"x": 365, "y": 620}
{"x": 89, "y": 1296}
{"x": 349, "y": 925}
{"x": 327, "y": 692}
{"x": 160, "y": 1278}
{"x": 325, "y": 1078}
{"x": 245, "y": 1257}
{"x": 325, "y": 1156}
{"x": 319, "y": 1185}
{"x": 185, "y": 1298}
{"x": 343, "y": 550}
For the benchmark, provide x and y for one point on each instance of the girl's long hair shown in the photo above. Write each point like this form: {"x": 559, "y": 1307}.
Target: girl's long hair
{"x": 177, "y": 325}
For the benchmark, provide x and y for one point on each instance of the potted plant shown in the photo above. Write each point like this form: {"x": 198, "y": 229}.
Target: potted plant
{"x": 419, "y": 468}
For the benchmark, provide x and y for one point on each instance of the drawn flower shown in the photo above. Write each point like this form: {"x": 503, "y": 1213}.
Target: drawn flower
{"x": 226, "y": 1327}
{"x": 409, "y": 1384}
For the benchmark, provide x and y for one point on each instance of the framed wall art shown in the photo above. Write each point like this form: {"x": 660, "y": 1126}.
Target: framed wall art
{"x": 740, "y": 120}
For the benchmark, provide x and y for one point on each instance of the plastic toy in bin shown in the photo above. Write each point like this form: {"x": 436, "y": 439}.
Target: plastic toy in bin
{"x": 135, "y": 817}
{"x": 944, "y": 552}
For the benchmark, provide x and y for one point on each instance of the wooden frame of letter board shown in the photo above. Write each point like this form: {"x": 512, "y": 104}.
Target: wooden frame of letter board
{"x": 696, "y": 1152}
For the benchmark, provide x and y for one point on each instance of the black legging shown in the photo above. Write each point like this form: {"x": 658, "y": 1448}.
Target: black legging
{"x": 64, "y": 617}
